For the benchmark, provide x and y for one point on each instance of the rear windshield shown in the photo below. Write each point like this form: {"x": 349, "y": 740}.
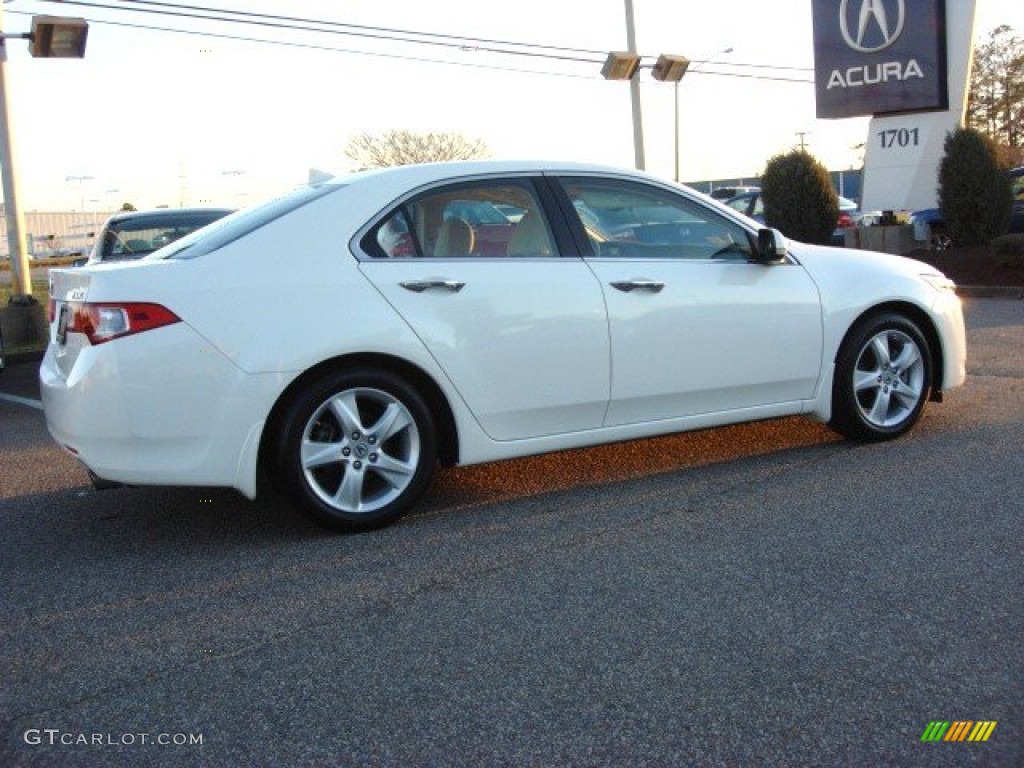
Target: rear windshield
{"x": 243, "y": 222}
{"x": 138, "y": 235}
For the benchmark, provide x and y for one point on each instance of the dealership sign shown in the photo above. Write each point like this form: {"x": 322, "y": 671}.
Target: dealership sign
{"x": 876, "y": 57}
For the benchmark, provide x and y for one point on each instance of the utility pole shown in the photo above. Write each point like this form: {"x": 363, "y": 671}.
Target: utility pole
{"x": 21, "y": 283}
{"x": 634, "y": 92}
{"x": 803, "y": 143}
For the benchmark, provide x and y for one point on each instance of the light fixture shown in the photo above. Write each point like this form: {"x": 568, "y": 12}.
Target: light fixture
{"x": 58, "y": 37}
{"x": 620, "y": 65}
{"x": 670, "y": 68}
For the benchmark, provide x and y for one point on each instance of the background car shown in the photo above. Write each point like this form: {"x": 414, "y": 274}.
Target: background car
{"x": 134, "y": 234}
{"x": 726, "y": 193}
{"x": 343, "y": 340}
{"x": 751, "y": 204}
{"x": 930, "y": 225}
{"x": 1017, "y": 219}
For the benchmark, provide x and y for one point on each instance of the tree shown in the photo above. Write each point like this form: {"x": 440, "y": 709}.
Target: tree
{"x": 974, "y": 193}
{"x": 401, "y": 147}
{"x": 128, "y": 207}
{"x": 995, "y": 104}
{"x": 798, "y": 197}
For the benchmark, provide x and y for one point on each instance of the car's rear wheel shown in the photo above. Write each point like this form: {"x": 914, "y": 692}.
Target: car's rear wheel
{"x": 883, "y": 377}
{"x": 357, "y": 449}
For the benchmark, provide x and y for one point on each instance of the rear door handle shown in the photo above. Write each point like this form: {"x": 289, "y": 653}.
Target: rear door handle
{"x": 419, "y": 286}
{"x": 654, "y": 286}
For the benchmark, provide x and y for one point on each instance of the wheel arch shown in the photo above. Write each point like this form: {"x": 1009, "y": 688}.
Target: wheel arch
{"x": 444, "y": 419}
{"x": 922, "y": 320}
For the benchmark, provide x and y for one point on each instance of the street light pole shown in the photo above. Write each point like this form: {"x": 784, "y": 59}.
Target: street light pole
{"x": 676, "y": 103}
{"x": 81, "y": 189}
{"x": 51, "y": 37}
{"x": 676, "y": 112}
{"x": 21, "y": 283}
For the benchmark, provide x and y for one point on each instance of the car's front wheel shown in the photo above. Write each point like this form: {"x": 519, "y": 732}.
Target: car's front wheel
{"x": 356, "y": 449}
{"x": 883, "y": 378}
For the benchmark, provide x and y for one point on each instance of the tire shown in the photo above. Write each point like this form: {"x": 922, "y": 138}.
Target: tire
{"x": 883, "y": 378}
{"x": 940, "y": 239}
{"x": 356, "y": 449}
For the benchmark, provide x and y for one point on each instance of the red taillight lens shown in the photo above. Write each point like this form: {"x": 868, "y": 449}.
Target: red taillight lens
{"x": 102, "y": 322}
{"x": 845, "y": 220}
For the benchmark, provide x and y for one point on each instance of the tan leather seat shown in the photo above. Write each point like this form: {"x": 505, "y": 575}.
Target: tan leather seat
{"x": 455, "y": 239}
{"x": 530, "y": 237}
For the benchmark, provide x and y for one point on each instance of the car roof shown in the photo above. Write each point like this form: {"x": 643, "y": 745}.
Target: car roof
{"x": 743, "y": 196}
{"x": 165, "y": 213}
{"x": 425, "y": 173}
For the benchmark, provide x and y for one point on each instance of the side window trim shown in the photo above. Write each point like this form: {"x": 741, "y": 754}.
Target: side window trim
{"x": 578, "y": 244}
{"x": 562, "y": 225}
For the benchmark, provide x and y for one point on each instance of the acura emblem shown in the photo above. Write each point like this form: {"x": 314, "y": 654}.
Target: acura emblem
{"x": 876, "y": 26}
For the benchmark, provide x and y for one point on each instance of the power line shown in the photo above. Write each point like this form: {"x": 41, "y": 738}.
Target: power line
{"x": 402, "y": 36}
{"x": 298, "y": 24}
{"x": 347, "y": 25}
{"x": 753, "y": 77}
{"x": 331, "y": 49}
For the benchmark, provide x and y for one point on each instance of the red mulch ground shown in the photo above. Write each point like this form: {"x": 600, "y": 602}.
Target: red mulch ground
{"x": 975, "y": 265}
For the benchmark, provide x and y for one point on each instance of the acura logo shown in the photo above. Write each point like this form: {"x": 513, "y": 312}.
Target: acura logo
{"x": 877, "y": 26}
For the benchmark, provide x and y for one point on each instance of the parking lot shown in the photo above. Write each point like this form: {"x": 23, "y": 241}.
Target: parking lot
{"x": 766, "y": 594}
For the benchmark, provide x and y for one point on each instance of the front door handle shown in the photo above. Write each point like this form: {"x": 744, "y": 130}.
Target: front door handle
{"x": 626, "y": 286}
{"x": 419, "y": 286}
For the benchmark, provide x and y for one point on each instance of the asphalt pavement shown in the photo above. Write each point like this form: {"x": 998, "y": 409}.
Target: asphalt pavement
{"x": 762, "y": 595}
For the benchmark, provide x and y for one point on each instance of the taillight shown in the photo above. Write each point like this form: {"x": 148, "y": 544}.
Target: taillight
{"x": 101, "y": 322}
{"x": 845, "y": 220}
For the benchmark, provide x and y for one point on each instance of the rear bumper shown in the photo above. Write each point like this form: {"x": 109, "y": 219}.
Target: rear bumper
{"x": 160, "y": 408}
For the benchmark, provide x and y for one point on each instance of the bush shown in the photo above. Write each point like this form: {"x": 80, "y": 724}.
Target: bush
{"x": 1009, "y": 251}
{"x": 974, "y": 193}
{"x": 798, "y": 198}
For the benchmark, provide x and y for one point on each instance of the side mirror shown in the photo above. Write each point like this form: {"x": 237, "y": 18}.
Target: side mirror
{"x": 771, "y": 246}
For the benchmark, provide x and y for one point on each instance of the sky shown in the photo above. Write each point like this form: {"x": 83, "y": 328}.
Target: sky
{"x": 155, "y": 117}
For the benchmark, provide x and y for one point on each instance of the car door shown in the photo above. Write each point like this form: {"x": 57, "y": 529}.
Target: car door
{"x": 696, "y": 327}
{"x": 519, "y": 328}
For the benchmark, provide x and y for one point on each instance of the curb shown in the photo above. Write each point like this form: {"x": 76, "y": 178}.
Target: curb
{"x": 990, "y": 292}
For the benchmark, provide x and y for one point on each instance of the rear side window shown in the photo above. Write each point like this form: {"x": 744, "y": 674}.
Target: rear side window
{"x": 245, "y": 221}
{"x": 492, "y": 219}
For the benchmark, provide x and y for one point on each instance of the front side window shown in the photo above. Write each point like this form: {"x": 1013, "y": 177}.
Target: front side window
{"x": 500, "y": 219}
{"x": 626, "y": 219}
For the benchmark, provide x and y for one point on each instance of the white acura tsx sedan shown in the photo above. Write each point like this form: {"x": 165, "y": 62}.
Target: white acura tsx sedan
{"x": 345, "y": 339}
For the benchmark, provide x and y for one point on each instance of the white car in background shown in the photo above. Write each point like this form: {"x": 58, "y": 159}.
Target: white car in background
{"x": 129, "y": 235}
{"x": 346, "y": 338}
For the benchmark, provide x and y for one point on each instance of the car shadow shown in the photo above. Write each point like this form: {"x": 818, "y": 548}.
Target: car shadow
{"x": 93, "y": 523}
